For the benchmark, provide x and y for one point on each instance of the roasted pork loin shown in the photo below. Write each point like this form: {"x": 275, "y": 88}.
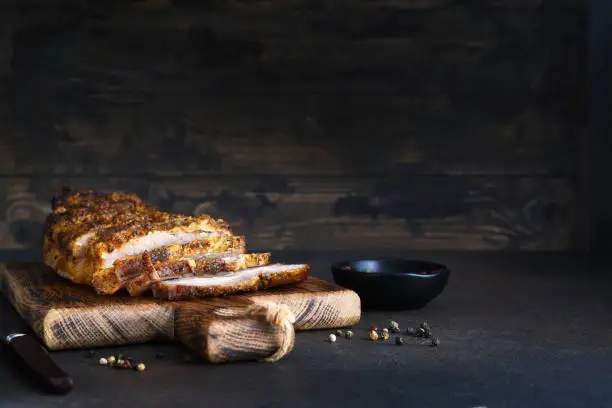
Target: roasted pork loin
{"x": 112, "y": 241}
{"x": 89, "y": 233}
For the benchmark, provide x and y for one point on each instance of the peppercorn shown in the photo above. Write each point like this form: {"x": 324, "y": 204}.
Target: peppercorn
{"x": 90, "y": 354}
{"x": 394, "y": 326}
{"x": 141, "y": 367}
{"x": 399, "y": 341}
{"x": 338, "y": 333}
{"x": 411, "y": 331}
{"x": 111, "y": 360}
{"x": 373, "y": 328}
{"x": 373, "y": 335}
{"x": 421, "y": 332}
{"x": 426, "y": 328}
{"x": 120, "y": 362}
{"x": 332, "y": 338}
{"x": 385, "y": 330}
{"x": 348, "y": 334}
{"x": 435, "y": 342}
{"x": 159, "y": 356}
{"x": 103, "y": 361}
{"x": 127, "y": 364}
{"x": 384, "y": 335}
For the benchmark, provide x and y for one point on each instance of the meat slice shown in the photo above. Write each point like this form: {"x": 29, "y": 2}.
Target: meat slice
{"x": 246, "y": 280}
{"x": 210, "y": 264}
{"x": 134, "y": 266}
{"x": 89, "y": 232}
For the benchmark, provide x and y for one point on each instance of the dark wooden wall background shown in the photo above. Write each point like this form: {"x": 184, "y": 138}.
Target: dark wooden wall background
{"x": 307, "y": 124}
{"x": 600, "y": 125}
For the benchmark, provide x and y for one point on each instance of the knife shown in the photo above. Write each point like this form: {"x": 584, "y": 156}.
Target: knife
{"x": 37, "y": 361}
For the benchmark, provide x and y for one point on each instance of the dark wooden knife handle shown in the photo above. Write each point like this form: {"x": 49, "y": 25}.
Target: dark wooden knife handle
{"x": 38, "y": 363}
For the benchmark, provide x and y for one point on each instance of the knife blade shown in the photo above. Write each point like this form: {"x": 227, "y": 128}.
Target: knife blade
{"x": 38, "y": 363}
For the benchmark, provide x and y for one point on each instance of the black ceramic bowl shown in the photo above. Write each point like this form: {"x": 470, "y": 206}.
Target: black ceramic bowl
{"x": 392, "y": 283}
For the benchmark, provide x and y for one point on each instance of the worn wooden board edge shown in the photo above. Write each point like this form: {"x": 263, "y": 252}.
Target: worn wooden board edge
{"x": 59, "y": 328}
{"x": 221, "y": 339}
{"x": 341, "y": 307}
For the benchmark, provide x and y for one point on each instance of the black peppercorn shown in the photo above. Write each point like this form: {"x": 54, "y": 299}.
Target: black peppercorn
{"x": 159, "y": 356}
{"x": 90, "y": 354}
{"x": 435, "y": 342}
{"x": 399, "y": 341}
{"x": 421, "y": 332}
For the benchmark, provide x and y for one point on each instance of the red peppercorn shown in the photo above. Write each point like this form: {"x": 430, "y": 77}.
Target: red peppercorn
{"x": 373, "y": 328}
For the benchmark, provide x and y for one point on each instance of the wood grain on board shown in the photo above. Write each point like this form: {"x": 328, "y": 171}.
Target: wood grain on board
{"x": 67, "y": 316}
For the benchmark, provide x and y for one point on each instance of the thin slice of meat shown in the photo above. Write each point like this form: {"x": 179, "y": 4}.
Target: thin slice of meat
{"x": 210, "y": 264}
{"x": 246, "y": 280}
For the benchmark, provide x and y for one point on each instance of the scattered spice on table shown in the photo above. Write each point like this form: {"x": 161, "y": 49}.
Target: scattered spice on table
{"x": 103, "y": 361}
{"x": 90, "y": 354}
{"x": 348, "y": 334}
{"x": 338, "y": 333}
{"x": 111, "y": 360}
{"x": 373, "y": 335}
{"x": 384, "y": 335}
{"x": 435, "y": 342}
{"x": 332, "y": 338}
{"x": 399, "y": 341}
{"x": 394, "y": 326}
{"x": 159, "y": 356}
{"x": 141, "y": 367}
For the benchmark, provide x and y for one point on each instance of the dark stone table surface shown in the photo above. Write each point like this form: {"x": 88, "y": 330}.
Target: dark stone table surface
{"x": 516, "y": 330}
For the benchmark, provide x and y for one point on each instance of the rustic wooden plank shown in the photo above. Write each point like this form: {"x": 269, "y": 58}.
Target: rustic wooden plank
{"x": 286, "y": 134}
{"x": 266, "y": 5}
{"x": 451, "y": 51}
{"x": 67, "y": 316}
{"x": 507, "y": 82}
{"x": 403, "y": 210}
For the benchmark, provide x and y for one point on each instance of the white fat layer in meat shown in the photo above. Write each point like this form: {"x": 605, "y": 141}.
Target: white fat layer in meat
{"x": 64, "y": 275}
{"x": 233, "y": 277}
{"x": 81, "y": 243}
{"x": 151, "y": 241}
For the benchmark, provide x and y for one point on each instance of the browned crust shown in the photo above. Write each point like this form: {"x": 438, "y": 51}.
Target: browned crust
{"x": 165, "y": 290}
{"x": 193, "y": 267}
{"x": 115, "y": 218}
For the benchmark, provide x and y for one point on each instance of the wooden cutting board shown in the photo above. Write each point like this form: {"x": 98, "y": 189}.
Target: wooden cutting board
{"x": 68, "y": 316}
